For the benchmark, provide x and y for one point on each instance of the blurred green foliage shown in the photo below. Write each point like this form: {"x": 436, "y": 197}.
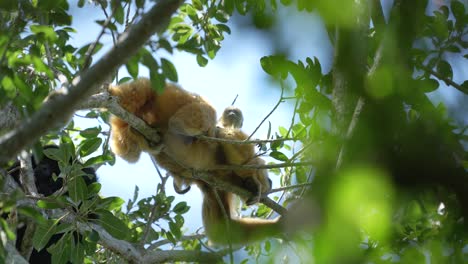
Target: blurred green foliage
{"x": 387, "y": 168}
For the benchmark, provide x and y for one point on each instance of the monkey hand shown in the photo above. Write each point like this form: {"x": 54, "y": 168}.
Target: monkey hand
{"x": 256, "y": 181}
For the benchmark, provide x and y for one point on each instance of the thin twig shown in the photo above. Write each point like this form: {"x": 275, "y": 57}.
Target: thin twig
{"x": 244, "y": 142}
{"x": 349, "y": 133}
{"x": 92, "y": 47}
{"x": 307, "y": 184}
{"x": 269, "y": 166}
{"x": 227, "y": 218}
{"x": 443, "y": 78}
{"x": 296, "y": 104}
{"x": 271, "y": 112}
{"x": 167, "y": 241}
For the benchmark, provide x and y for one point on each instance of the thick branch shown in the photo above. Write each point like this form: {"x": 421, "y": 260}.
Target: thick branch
{"x": 13, "y": 256}
{"x": 61, "y": 105}
{"x": 9, "y": 117}
{"x": 105, "y": 100}
{"x": 27, "y": 178}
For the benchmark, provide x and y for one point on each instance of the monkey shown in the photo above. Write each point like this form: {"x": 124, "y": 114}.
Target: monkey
{"x": 46, "y": 185}
{"x": 231, "y": 118}
{"x": 180, "y": 116}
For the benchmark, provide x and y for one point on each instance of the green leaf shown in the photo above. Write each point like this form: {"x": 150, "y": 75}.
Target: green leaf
{"x": 4, "y": 227}
{"x": 158, "y": 82}
{"x": 124, "y": 80}
{"x": 91, "y": 132}
{"x": 55, "y": 154}
{"x": 89, "y": 146}
{"x": 93, "y": 189}
{"x": 283, "y": 131}
{"x": 112, "y": 224}
{"x": 278, "y": 156}
{"x": 175, "y": 230}
{"x": 202, "y": 61}
{"x": 169, "y": 70}
{"x": 111, "y": 203}
{"x": 31, "y": 212}
{"x": 77, "y": 250}
{"x": 119, "y": 13}
{"x": 465, "y": 86}
{"x": 98, "y": 160}
{"x": 197, "y": 4}
{"x": 429, "y": 85}
{"x": 77, "y": 189}
{"x": 49, "y": 204}
{"x": 163, "y": 43}
{"x": 221, "y": 16}
{"x": 43, "y": 30}
{"x": 445, "y": 69}
{"x": 61, "y": 250}
{"x": 224, "y": 28}
{"x": 43, "y": 234}
{"x": 140, "y": 3}
{"x": 267, "y": 246}
{"x": 458, "y": 10}
{"x": 181, "y": 208}
{"x": 132, "y": 66}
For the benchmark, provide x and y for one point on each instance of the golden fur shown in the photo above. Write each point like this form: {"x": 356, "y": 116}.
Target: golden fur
{"x": 180, "y": 116}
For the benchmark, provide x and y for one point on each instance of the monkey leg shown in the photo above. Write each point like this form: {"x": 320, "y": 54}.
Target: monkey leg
{"x": 133, "y": 96}
{"x": 255, "y": 180}
{"x": 127, "y": 142}
{"x": 181, "y": 176}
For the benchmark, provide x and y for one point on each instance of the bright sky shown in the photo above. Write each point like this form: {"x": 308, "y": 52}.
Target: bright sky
{"x": 235, "y": 70}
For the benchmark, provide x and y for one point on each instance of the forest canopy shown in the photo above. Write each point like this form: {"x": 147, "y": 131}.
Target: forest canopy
{"x": 372, "y": 165}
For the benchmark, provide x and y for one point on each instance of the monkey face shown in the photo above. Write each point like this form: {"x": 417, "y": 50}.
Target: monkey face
{"x": 232, "y": 117}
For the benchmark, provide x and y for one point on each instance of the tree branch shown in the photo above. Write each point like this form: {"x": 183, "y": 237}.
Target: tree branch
{"x": 443, "y": 78}
{"x": 13, "y": 256}
{"x": 244, "y": 142}
{"x": 9, "y": 117}
{"x": 270, "y": 113}
{"x": 105, "y": 100}
{"x": 61, "y": 105}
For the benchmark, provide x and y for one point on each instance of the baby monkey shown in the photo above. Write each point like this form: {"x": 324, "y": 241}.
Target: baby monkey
{"x": 232, "y": 118}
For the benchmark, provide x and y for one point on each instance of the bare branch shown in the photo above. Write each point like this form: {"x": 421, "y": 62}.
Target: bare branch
{"x": 244, "y": 142}
{"x": 61, "y": 105}
{"x": 13, "y": 256}
{"x": 9, "y": 117}
{"x": 280, "y": 100}
{"x": 167, "y": 241}
{"x": 269, "y": 166}
{"x": 27, "y": 178}
{"x": 297, "y": 186}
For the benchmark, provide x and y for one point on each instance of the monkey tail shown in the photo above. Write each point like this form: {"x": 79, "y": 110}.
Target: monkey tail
{"x": 223, "y": 229}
